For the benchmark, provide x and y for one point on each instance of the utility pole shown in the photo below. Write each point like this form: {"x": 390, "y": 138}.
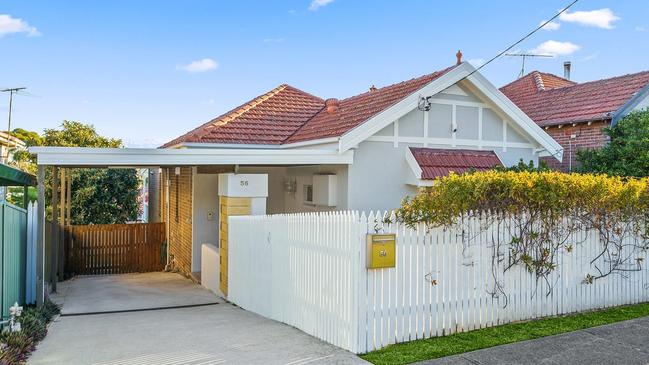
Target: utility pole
{"x": 524, "y": 56}
{"x": 11, "y": 92}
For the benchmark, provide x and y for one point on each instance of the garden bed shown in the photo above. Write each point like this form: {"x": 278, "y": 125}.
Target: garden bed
{"x": 15, "y": 347}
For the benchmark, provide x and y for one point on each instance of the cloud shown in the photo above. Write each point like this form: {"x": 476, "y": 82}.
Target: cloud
{"x": 10, "y": 25}
{"x": 640, "y": 29}
{"x": 551, "y": 25}
{"x": 602, "y": 18}
{"x": 556, "y": 48}
{"x": 206, "y": 64}
{"x": 274, "y": 40}
{"x": 316, "y": 4}
{"x": 476, "y": 62}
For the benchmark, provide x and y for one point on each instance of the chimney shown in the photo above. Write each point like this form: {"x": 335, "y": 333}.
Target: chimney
{"x": 332, "y": 105}
{"x": 566, "y": 70}
{"x": 372, "y": 88}
{"x": 459, "y": 57}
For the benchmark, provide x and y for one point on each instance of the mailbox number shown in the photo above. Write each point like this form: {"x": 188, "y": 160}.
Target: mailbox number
{"x": 383, "y": 253}
{"x": 244, "y": 182}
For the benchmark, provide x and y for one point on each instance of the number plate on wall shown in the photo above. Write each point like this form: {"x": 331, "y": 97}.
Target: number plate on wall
{"x": 381, "y": 250}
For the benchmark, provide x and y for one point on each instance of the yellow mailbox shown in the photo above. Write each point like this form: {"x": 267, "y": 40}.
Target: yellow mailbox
{"x": 381, "y": 250}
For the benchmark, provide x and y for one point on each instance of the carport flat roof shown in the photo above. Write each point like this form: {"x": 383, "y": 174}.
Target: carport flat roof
{"x": 147, "y": 157}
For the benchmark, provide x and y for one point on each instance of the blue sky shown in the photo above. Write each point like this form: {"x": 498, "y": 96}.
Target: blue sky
{"x": 148, "y": 71}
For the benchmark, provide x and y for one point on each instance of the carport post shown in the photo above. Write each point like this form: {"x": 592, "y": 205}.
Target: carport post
{"x": 54, "y": 250}
{"x": 61, "y": 253}
{"x": 40, "y": 285}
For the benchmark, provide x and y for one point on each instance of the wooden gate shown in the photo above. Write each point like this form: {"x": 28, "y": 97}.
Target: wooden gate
{"x": 115, "y": 248}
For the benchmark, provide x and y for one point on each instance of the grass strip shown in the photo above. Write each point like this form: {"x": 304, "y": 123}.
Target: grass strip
{"x": 432, "y": 348}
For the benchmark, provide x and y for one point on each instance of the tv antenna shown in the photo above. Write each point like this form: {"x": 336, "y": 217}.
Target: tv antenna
{"x": 11, "y": 92}
{"x": 526, "y": 55}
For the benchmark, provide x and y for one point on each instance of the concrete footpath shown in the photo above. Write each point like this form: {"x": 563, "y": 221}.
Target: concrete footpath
{"x": 619, "y": 343}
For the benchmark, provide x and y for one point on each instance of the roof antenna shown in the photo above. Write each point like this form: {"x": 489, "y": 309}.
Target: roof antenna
{"x": 11, "y": 92}
{"x": 526, "y": 55}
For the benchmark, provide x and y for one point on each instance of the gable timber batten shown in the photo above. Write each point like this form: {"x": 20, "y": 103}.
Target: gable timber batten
{"x": 389, "y": 115}
{"x": 492, "y": 106}
{"x": 476, "y": 81}
{"x": 517, "y": 115}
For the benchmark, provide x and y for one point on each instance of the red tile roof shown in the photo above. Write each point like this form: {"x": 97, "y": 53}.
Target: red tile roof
{"x": 435, "y": 162}
{"x": 355, "y": 110}
{"x": 267, "y": 119}
{"x": 552, "y": 100}
{"x": 287, "y": 114}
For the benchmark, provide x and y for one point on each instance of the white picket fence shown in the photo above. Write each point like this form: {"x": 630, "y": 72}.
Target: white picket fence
{"x": 308, "y": 270}
{"x": 300, "y": 269}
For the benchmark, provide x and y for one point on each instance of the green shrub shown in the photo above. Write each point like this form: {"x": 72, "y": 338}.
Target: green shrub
{"x": 541, "y": 211}
{"x": 16, "y": 346}
{"x": 627, "y": 154}
{"x": 548, "y": 193}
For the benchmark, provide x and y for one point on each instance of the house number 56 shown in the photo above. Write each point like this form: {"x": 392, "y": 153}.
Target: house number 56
{"x": 244, "y": 182}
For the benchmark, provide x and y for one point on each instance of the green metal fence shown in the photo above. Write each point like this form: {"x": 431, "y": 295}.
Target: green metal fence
{"x": 13, "y": 246}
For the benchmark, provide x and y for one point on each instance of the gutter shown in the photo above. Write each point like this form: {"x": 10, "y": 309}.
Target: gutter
{"x": 630, "y": 105}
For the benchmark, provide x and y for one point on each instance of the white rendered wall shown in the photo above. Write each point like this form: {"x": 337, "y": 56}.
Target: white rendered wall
{"x": 205, "y": 201}
{"x": 210, "y": 262}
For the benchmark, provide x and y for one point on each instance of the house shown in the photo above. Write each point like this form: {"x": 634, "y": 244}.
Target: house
{"x": 402, "y": 137}
{"x": 8, "y": 146}
{"x": 293, "y": 152}
{"x": 575, "y": 114}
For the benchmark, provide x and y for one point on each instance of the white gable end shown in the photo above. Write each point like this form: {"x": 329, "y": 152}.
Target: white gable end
{"x": 463, "y": 113}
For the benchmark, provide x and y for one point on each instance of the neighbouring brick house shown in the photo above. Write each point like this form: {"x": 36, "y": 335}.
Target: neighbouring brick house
{"x": 575, "y": 114}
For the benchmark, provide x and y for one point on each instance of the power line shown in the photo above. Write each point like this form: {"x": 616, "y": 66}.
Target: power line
{"x": 424, "y": 102}
{"x": 11, "y": 92}
{"x": 524, "y": 38}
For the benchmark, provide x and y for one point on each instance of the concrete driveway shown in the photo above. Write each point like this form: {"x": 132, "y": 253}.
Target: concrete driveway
{"x": 198, "y": 335}
{"x": 110, "y": 293}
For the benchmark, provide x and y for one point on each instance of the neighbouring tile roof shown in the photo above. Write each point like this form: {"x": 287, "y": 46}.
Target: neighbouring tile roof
{"x": 287, "y": 114}
{"x": 551, "y": 100}
{"x": 436, "y": 162}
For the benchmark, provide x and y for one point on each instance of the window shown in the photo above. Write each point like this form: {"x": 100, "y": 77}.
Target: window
{"x": 308, "y": 194}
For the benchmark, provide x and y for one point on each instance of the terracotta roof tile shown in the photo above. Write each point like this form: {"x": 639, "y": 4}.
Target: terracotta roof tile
{"x": 560, "y": 101}
{"x": 436, "y": 162}
{"x": 286, "y": 114}
{"x": 357, "y": 109}
{"x": 267, "y": 119}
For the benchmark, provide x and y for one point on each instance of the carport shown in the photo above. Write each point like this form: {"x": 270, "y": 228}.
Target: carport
{"x": 158, "y": 317}
{"x": 60, "y": 159}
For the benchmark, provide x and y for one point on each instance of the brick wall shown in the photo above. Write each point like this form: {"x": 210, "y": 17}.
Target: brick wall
{"x": 179, "y": 217}
{"x": 585, "y": 136}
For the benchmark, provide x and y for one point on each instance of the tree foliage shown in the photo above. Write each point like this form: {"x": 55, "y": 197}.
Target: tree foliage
{"x": 99, "y": 196}
{"x": 627, "y": 154}
{"x": 521, "y": 166}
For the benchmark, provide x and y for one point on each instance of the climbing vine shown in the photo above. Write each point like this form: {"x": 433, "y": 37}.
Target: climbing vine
{"x": 543, "y": 214}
